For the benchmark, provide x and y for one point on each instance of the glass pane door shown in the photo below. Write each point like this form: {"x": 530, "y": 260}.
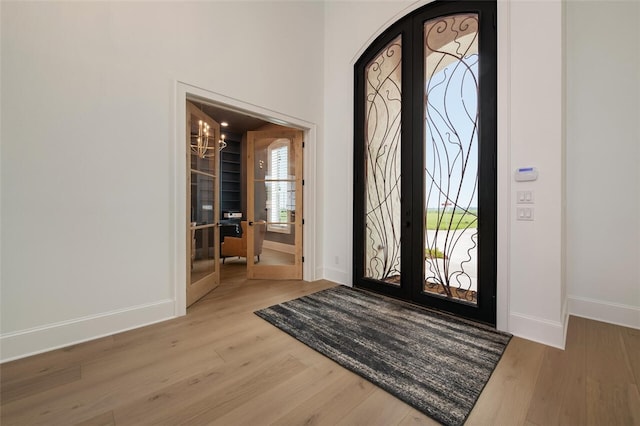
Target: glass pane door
{"x": 274, "y": 203}
{"x": 203, "y": 134}
{"x": 202, "y": 225}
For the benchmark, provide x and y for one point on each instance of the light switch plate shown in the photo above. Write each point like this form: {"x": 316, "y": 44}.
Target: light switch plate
{"x": 524, "y": 213}
{"x": 524, "y": 197}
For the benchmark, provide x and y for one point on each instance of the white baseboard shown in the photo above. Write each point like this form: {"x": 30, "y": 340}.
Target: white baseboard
{"x": 284, "y": 248}
{"x": 551, "y": 333}
{"x": 337, "y": 276}
{"x": 564, "y": 316}
{"x": 45, "y": 338}
{"x": 614, "y": 313}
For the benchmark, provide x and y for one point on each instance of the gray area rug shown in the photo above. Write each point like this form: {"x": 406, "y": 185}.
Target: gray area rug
{"x": 437, "y": 363}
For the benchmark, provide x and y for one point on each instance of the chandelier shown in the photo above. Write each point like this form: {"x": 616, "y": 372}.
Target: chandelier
{"x": 202, "y": 140}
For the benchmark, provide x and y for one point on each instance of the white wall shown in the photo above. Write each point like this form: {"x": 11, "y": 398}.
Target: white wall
{"x": 87, "y": 144}
{"x": 535, "y": 137}
{"x": 531, "y": 302}
{"x": 349, "y": 28}
{"x": 603, "y": 160}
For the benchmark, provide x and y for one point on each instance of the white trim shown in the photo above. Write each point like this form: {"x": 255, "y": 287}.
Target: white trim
{"x": 319, "y": 273}
{"x": 309, "y": 205}
{"x": 279, "y": 228}
{"x": 177, "y": 152}
{"x": 36, "y": 340}
{"x": 613, "y": 313}
{"x": 337, "y": 276}
{"x": 281, "y": 247}
{"x": 564, "y": 317}
{"x": 178, "y": 195}
{"x": 503, "y": 167}
{"x": 539, "y": 330}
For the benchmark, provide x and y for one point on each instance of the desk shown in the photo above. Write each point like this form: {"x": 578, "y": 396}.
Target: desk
{"x": 229, "y": 228}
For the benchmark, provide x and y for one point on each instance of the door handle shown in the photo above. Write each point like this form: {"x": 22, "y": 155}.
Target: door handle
{"x": 250, "y": 223}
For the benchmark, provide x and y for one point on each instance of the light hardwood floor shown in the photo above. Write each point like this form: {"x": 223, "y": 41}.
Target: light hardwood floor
{"x": 223, "y": 365}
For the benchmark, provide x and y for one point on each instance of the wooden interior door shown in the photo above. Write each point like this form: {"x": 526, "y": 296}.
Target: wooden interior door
{"x": 203, "y": 204}
{"x": 274, "y": 204}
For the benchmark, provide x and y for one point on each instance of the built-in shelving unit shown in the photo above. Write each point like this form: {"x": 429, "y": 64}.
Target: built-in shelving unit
{"x": 230, "y": 176}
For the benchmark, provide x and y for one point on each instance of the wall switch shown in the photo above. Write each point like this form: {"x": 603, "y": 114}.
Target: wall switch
{"x": 524, "y": 213}
{"x": 524, "y": 197}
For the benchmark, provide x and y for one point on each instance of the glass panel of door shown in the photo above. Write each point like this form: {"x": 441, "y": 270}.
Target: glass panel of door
{"x": 275, "y": 194}
{"x": 451, "y": 156}
{"x": 383, "y": 87}
{"x": 202, "y": 216}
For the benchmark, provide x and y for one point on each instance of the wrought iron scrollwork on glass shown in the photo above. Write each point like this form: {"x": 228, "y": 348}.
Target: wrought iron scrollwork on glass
{"x": 382, "y": 140}
{"x": 451, "y": 156}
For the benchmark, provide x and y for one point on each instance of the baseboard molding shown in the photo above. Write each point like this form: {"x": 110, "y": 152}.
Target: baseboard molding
{"x": 551, "y": 333}
{"x": 36, "y": 340}
{"x": 337, "y": 276}
{"x": 274, "y": 245}
{"x": 565, "y": 319}
{"x": 613, "y": 313}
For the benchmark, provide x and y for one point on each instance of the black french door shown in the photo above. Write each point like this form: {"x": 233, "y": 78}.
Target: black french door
{"x": 424, "y": 160}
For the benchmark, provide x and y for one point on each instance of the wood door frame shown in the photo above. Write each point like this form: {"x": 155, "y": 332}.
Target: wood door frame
{"x": 176, "y": 233}
{"x": 197, "y": 290}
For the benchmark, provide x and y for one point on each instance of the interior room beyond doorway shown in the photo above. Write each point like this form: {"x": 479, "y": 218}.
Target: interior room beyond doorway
{"x": 273, "y": 244}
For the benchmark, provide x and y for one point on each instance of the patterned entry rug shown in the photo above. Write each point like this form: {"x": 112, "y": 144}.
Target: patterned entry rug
{"x": 437, "y": 363}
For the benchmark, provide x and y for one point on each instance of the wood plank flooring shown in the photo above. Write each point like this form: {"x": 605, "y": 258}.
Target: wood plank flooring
{"x": 222, "y": 365}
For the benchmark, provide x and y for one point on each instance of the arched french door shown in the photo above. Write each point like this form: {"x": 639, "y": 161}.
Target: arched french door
{"x": 425, "y": 151}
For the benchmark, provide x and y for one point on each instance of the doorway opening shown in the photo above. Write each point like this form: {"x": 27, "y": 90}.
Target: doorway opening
{"x": 255, "y": 221}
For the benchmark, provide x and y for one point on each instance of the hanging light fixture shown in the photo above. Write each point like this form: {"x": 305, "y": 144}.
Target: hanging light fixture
{"x": 201, "y": 146}
{"x": 222, "y": 142}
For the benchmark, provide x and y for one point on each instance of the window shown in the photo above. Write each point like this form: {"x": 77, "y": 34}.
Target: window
{"x": 280, "y": 187}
